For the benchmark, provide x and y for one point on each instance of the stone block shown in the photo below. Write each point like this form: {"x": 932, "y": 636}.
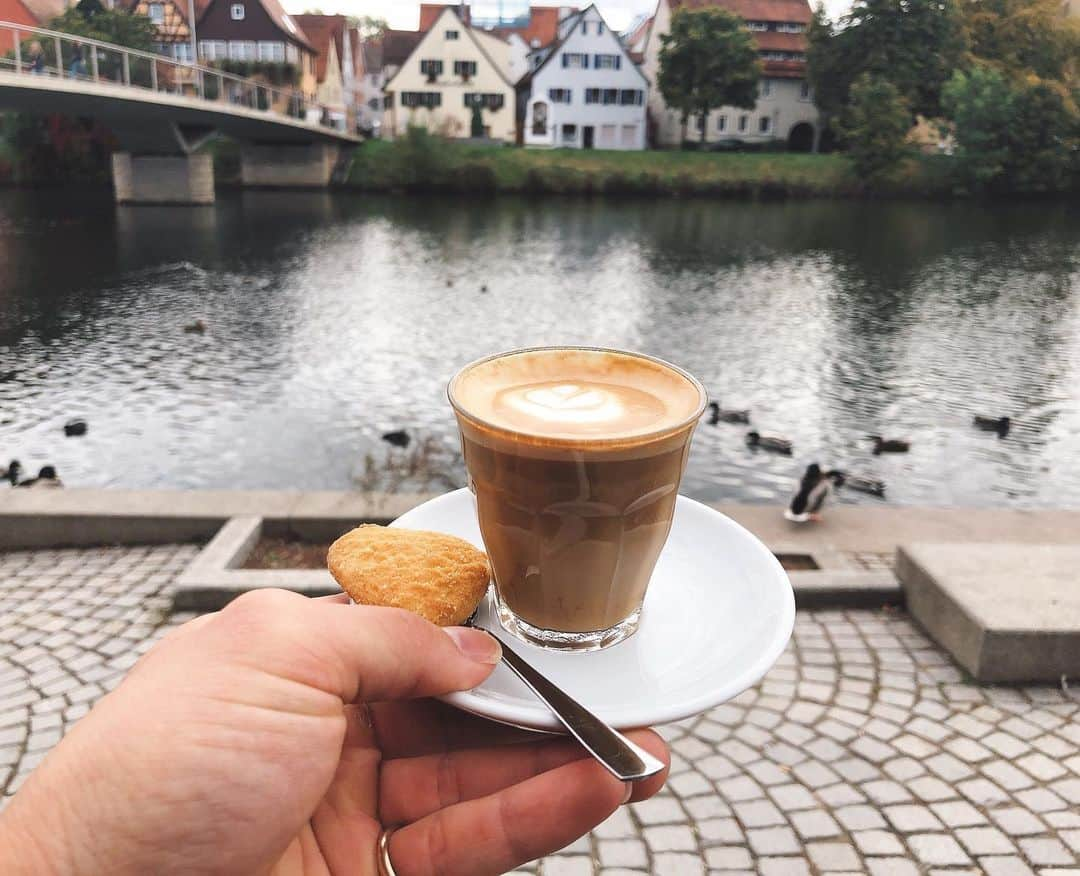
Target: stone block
{"x": 287, "y": 166}
{"x": 1006, "y": 612}
{"x": 163, "y": 179}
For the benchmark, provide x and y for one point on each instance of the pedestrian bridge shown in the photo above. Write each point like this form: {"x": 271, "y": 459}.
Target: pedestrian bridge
{"x": 162, "y": 111}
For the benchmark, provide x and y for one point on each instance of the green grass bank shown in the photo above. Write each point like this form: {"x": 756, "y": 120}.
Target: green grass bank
{"x": 426, "y": 164}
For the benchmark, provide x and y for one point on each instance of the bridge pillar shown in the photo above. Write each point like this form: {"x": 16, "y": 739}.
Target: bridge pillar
{"x": 163, "y": 179}
{"x": 287, "y": 166}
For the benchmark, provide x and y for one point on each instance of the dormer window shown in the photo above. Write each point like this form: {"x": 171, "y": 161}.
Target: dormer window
{"x": 156, "y": 12}
{"x": 757, "y": 25}
{"x": 453, "y": 35}
{"x": 237, "y": 11}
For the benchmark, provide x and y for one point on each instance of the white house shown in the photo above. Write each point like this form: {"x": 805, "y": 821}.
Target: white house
{"x": 785, "y": 108}
{"x": 587, "y": 92}
{"x": 453, "y": 69}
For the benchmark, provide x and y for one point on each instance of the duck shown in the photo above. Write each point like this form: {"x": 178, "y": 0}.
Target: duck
{"x": 1001, "y": 425}
{"x": 484, "y": 289}
{"x": 859, "y": 484}
{"x": 75, "y": 428}
{"x": 814, "y": 489}
{"x": 449, "y": 284}
{"x": 718, "y": 415}
{"x": 12, "y": 472}
{"x": 197, "y": 327}
{"x": 398, "y": 438}
{"x": 889, "y": 445}
{"x": 46, "y": 479}
{"x": 769, "y": 442}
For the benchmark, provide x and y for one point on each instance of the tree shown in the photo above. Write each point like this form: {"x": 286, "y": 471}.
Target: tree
{"x": 874, "y": 125}
{"x": 370, "y": 27}
{"x": 1019, "y": 136}
{"x": 477, "y": 126}
{"x": 915, "y": 44}
{"x": 109, "y": 26}
{"x": 708, "y": 60}
{"x": 1024, "y": 37}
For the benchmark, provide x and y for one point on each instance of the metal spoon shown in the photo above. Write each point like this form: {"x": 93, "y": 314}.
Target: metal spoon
{"x": 621, "y": 757}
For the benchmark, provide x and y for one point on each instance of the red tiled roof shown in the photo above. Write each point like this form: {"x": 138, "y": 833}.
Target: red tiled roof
{"x": 754, "y": 10}
{"x": 320, "y": 30}
{"x": 772, "y": 41}
{"x": 397, "y": 45}
{"x": 543, "y": 22}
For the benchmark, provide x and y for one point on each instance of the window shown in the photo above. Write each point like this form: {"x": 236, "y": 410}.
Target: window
{"x": 743, "y": 122}
{"x": 452, "y": 35}
{"x": 156, "y": 11}
{"x": 540, "y": 117}
{"x": 569, "y": 133}
{"x": 592, "y": 95}
{"x": 585, "y": 28}
{"x": 431, "y": 69}
{"x": 559, "y": 95}
{"x": 292, "y": 54}
{"x": 464, "y": 69}
{"x": 804, "y": 90}
{"x": 607, "y": 62}
{"x": 611, "y": 96}
{"x": 214, "y": 50}
{"x": 429, "y": 99}
{"x": 757, "y": 25}
{"x": 765, "y": 89}
{"x": 764, "y": 125}
{"x": 237, "y": 11}
{"x": 486, "y": 101}
{"x": 631, "y": 97}
{"x": 699, "y": 123}
{"x": 628, "y": 136}
{"x": 599, "y": 28}
{"x": 181, "y": 51}
{"x": 242, "y": 50}
{"x": 575, "y": 61}
{"x": 721, "y": 124}
{"x": 271, "y": 51}
{"x": 789, "y": 27}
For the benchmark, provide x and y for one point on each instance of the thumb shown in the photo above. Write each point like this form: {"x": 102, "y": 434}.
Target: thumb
{"x": 364, "y": 653}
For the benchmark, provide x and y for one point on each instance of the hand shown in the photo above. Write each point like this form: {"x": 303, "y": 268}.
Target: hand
{"x": 281, "y": 735}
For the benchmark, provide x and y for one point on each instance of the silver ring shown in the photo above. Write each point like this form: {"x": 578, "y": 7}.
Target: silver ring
{"x": 382, "y": 857}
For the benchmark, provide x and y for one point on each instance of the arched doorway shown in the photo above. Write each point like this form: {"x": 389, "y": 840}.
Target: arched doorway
{"x": 801, "y": 138}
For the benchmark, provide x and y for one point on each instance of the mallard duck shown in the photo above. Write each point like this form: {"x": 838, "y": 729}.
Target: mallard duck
{"x": 890, "y": 445}
{"x": 814, "y": 489}
{"x": 75, "y": 428}
{"x": 400, "y": 438}
{"x": 46, "y": 479}
{"x": 12, "y": 472}
{"x": 484, "y": 289}
{"x": 718, "y": 415}
{"x": 859, "y": 484}
{"x": 769, "y": 442}
{"x": 197, "y": 327}
{"x": 1001, "y": 425}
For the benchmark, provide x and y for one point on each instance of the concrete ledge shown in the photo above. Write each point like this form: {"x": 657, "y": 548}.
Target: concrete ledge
{"x": 39, "y": 519}
{"x": 1006, "y": 612}
{"x": 845, "y": 589}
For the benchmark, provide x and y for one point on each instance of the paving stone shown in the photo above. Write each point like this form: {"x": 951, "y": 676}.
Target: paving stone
{"x": 728, "y": 858}
{"x": 912, "y": 818}
{"x": 1005, "y": 866}
{"x": 1045, "y": 850}
{"x": 678, "y": 864}
{"x": 622, "y": 853}
{"x": 878, "y": 842}
{"x": 783, "y": 867}
{"x": 670, "y": 838}
{"x": 833, "y": 856}
{"x": 568, "y": 865}
{"x": 937, "y": 848}
{"x": 892, "y": 867}
{"x": 815, "y": 824}
{"x": 985, "y": 841}
{"x": 773, "y": 841}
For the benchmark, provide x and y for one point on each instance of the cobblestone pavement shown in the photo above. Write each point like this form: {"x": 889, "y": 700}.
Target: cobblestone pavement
{"x": 865, "y": 750}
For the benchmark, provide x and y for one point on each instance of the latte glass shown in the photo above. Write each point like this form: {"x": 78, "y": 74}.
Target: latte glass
{"x": 575, "y": 456}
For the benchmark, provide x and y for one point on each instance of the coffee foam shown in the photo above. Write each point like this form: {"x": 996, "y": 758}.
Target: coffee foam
{"x": 576, "y": 394}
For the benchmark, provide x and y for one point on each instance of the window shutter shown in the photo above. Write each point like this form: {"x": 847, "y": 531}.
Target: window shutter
{"x": 618, "y": 62}
{"x": 585, "y": 61}
{"x": 565, "y": 60}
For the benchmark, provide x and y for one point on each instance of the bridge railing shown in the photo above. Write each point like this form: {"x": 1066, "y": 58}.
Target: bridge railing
{"x": 40, "y": 52}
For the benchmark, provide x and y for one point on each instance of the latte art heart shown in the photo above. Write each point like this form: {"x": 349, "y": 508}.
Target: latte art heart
{"x": 567, "y": 403}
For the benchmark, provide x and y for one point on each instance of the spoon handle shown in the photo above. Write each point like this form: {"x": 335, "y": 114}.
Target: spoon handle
{"x": 621, "y": 757}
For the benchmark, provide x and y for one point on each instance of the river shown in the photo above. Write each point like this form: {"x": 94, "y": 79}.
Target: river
{"x": 332, "y": 319}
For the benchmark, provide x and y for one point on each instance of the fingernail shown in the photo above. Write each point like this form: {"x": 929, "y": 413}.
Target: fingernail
{"x": 629, "y": 792}
{"x": 475, "y": 644}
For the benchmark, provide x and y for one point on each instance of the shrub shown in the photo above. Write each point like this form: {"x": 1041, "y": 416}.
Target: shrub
{"x": 875, "y": 125}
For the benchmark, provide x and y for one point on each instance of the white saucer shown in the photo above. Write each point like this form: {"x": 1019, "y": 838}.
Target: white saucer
{"x": 719, "y": 612}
